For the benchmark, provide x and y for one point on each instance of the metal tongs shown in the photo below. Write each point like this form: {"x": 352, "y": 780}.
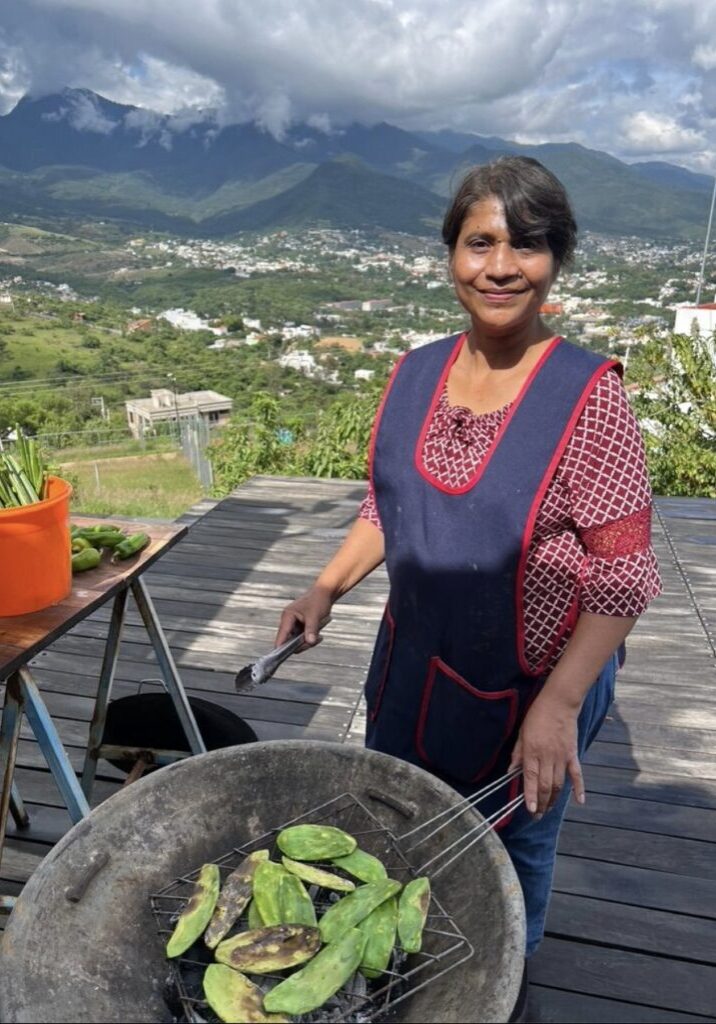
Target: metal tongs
{"x": 261, "y": 670}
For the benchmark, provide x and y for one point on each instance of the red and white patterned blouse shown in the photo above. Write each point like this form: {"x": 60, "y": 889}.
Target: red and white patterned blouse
{"x": 592, "y": 534}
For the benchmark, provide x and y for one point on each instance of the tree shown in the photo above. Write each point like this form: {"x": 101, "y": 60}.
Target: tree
{"x": 250, "y": 446}
{"x": 340, "y": 446}
{"x": 675, "y": 401}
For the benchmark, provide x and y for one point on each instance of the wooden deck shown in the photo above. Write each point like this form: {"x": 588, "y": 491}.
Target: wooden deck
{"x": 631, "y": 935}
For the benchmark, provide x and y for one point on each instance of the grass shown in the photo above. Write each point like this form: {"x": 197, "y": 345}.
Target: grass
{"x": 150, "y": 486}
{"x": 152, "y": 445}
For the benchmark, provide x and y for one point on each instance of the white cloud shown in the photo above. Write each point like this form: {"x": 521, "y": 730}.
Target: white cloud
{"x": 621, "y": 75}
{"x": 84, "y": 115}
{"x": 643, "y": 132}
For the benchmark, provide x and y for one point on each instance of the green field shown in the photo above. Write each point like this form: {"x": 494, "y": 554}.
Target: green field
{"x": 149, "y": 486}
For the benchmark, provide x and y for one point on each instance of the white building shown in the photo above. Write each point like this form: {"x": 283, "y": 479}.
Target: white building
{"x": 703, "y": 319}
{"x": 143, "y": 414}
{"x": 300, "y": 360}
{"x": 703, "y": 316}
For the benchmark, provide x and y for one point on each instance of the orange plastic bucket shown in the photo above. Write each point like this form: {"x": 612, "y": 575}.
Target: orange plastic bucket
{"x": 35, "y": 552}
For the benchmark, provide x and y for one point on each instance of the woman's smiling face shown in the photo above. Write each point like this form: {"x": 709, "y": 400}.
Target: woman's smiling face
{"x": 499, "y": 280}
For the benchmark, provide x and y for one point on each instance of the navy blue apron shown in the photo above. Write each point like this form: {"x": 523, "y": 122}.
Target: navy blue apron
{"x": 448, "y": 685}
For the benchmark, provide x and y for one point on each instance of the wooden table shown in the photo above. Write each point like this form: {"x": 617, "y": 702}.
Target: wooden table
{"x": 22, "y": 637}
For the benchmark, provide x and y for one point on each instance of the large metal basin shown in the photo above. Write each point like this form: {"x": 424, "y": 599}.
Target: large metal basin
{"x": 101, "y": 960}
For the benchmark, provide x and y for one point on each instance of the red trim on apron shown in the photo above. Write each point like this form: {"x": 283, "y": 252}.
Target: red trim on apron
{"x": 463, "y": 488}
{"x": 529, "y": 530}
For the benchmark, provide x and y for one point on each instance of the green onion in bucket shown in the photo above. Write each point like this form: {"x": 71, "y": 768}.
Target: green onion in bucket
{"x": 23, "y": 478}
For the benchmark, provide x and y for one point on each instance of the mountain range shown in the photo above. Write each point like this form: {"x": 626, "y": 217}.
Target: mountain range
{"x": 78, "y": 155}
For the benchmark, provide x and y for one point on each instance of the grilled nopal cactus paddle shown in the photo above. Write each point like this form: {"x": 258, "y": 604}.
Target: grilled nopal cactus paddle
{"x": 267, "y": 879}
{"x": 317, "y": 876}
{"x": 315, "y": 983}
{"x": 235, "y": 894}
{"x": 233, "y": 997}
{"x": 412, "y": 914}
{"x": 254, "y": 917}
{"x": 362, "y": 865}
{"x": 314, "y": 842}
{"x": 355, "y": 907}
{"x": 269, "y": 949}
{"x": 197, "y": 913}
{"x": 379, "y": 928}
{"x": 295, "y": 904}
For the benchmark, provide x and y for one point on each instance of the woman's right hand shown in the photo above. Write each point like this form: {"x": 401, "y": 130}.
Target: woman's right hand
{"x": 305, "y": 614}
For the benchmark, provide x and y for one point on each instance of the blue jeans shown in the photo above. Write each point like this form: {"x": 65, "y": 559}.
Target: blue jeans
{"x": 532, "y": 845}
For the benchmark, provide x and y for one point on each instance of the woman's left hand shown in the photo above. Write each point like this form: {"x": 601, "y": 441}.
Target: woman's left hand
{"x": 547, "y": 750}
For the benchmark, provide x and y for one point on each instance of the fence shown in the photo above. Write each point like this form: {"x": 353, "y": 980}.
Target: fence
{"x": 194, "y": 437}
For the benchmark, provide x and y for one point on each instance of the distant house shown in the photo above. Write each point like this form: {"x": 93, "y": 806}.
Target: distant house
{"x": 552, "y": 308}
{"x": 703, "y": 317}
{"x": 139, "y": 325}
{"x": 166, "y": 406}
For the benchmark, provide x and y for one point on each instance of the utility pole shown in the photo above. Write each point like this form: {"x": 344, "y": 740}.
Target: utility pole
{"x": 173, "y": 379}
{"x": 706, "y": 246}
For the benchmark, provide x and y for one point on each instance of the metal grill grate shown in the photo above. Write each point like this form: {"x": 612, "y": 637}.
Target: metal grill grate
{"x": 444, "y": 945}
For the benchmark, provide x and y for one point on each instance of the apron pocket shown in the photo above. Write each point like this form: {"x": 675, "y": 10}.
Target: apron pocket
{"x": 380, "y": 665}
{"x": 462, "y": 730}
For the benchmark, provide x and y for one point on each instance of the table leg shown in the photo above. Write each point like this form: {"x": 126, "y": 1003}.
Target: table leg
{"x": 51, "y": 747}
{"x": 17, "y": 808}
{"x": 175, "y": 687}
{"x": 9, "y": 735}
{"x": 99, "y": 715}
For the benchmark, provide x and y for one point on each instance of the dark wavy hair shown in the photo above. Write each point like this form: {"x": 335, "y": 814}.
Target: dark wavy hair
{"x": 535, "y": 201}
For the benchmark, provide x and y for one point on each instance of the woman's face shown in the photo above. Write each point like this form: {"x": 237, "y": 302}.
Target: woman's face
{"x": 500, "y": 281}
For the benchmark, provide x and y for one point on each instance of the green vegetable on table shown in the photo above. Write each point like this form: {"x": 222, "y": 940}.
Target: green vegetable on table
{"x": 131, "y": 545}
{"x": 86, "y": 558}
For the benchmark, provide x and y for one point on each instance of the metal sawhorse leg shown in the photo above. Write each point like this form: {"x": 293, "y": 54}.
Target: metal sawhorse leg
{"x": 167, "y": 667}
{"x": 23, "y": 697}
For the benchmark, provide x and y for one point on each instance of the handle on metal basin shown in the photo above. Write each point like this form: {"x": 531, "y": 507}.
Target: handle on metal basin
{"x": 97, "y": 860}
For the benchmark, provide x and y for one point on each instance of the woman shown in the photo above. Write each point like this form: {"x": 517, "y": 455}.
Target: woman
{"x": 510, "y": 501}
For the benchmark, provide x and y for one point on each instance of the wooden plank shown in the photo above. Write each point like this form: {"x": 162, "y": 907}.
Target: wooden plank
{"x": 641, "y": 785}
{"x": 647, "y": 816}
{"x": 38, "y": 787}
{"x": 689, "y": 763}
{"x": 240, "y": 619}
{"x": 634, "y": 977}
{"x": 142, "y": 655}
{"x": 638, "y": 849}
{"x": 620, "y": 925}
{"x": 662, "y": 736}
{"x": 640, "y": 887}
{"x": 555, "y": 1006}
{"x": 20, "y": 860}
{"x": 72, "y": 710}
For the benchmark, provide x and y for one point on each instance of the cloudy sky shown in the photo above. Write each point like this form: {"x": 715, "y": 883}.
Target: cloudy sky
{"x": 634, "y": 77}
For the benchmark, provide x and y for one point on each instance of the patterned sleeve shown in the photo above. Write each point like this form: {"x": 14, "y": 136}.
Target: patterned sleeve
{"x": 604, "y": 466}
{"x": 369, "y": 510}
